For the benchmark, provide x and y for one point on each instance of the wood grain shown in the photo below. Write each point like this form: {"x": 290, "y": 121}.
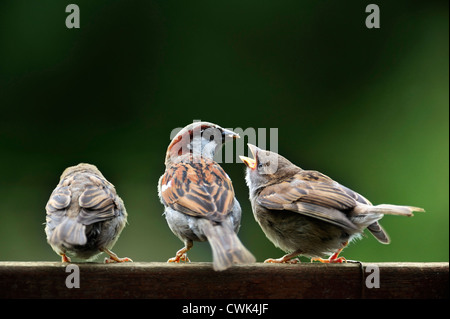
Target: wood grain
{"x": 199, "y": 281}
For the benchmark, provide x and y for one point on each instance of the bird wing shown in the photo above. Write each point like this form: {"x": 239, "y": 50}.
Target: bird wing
{"x": 98, "y": 202}
{"x": 79, "y": 200}
{"x": 200, "y": 189}
{"x": 57, "y": 205}
{"x": 59, "y": 199}
{"x": 313, "y": 194}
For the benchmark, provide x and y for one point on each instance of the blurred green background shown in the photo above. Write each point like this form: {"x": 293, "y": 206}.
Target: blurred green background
{"x": 368, "y": 107}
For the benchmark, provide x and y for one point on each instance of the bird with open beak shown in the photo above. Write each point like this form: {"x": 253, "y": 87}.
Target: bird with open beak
{"x": 307, "y": 213}
{"x": 198, "y": 195}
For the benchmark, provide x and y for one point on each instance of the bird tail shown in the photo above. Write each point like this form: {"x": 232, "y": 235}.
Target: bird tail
{"x": 385, "y": 209}
{"x": 379, "y": 233}
{"x": 226, "y": 247}
{"x": 69, "y": 231}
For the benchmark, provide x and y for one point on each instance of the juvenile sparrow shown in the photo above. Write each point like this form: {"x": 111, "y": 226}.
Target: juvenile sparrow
{"x": 306, "y": 212}
{"x": 198, "y": 195}
{"x": 85, "y": 216}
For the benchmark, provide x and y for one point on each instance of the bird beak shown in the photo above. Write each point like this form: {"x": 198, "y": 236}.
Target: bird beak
{"x": 249, "y": 162}
{"x": 229, "y": 134}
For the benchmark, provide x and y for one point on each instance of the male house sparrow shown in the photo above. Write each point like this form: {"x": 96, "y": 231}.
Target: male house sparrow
{"x": 85, "y": 216}
{"x": 306, "y": 212}
{"x": 198, "y": 195}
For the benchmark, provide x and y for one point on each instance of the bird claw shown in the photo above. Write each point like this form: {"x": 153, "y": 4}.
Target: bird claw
{"x": 117, "y": 260}
{"x": 286, "y": 259}
{"x": 181, "y": 254}
{"x": 330, "y": 260}
{"x": 282, "y": 261}
{"x": 334, "y": 259}
{"x": 178, "y": 258}
{"x": 113, "y": 258}
{"x": 65, "y": 259}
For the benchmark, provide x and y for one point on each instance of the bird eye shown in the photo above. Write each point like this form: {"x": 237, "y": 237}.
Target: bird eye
{"x": 260, "y": 165}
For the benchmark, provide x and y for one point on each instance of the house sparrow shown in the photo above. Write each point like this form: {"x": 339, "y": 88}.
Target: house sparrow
{"x": 306, "y": 212}
{"x": 198, "y": 195}
{"x": 85, "y": 216}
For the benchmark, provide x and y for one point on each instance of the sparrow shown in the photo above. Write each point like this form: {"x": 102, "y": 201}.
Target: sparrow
{"x": 305, "y": 212}
{"x": 85, "y": 216}
{"x": 198, "y": 196}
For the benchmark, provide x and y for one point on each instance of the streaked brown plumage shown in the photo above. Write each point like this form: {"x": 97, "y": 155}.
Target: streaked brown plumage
{"x": 201, "y": 189}
{"x": 85, "y": 216}
{"x": 306, "y": 212}
{"x": 199, "y": 198}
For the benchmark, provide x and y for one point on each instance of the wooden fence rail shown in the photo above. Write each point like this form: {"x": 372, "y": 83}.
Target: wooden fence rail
{"x": 199, "y": 281}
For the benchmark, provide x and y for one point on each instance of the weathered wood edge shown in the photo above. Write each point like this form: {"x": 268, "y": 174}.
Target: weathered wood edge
{"x": 156, "y": 280}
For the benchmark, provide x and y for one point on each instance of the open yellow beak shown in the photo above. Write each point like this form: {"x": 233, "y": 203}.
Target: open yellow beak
{"x": 249, "y": 162}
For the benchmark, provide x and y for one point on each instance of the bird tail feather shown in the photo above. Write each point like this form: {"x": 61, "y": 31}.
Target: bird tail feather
{"x": 226, "y": 247}
{"x": 377, "y": 212}
{"x": 69, "y": 231}
{"x": 387, "y": 209}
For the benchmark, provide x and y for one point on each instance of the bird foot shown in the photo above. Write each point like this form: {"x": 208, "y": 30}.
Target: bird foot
{"x": 286, "y": 259}
{"x": 178, "y": 258}
{"x": 113, "y": 258}
{"x": 116, "y": 259}
{"x": 181, "y": 254}
{"x": 282, "y": 260}
{"x": 334, "y": 259}
{"x": 65, "y": 259}
{"x": 331, "y": 260}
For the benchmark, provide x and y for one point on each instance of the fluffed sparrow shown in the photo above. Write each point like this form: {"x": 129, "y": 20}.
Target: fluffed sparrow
{"x": 85, "y": 216}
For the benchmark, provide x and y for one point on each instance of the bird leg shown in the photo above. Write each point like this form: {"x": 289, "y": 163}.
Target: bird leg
{"x": 334, "y": 259}
{"x": 181, "y": 254}
{"x": 286, "y": 259}
{"x": 64, "y": 258}
{"x": 113, "y": 257}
